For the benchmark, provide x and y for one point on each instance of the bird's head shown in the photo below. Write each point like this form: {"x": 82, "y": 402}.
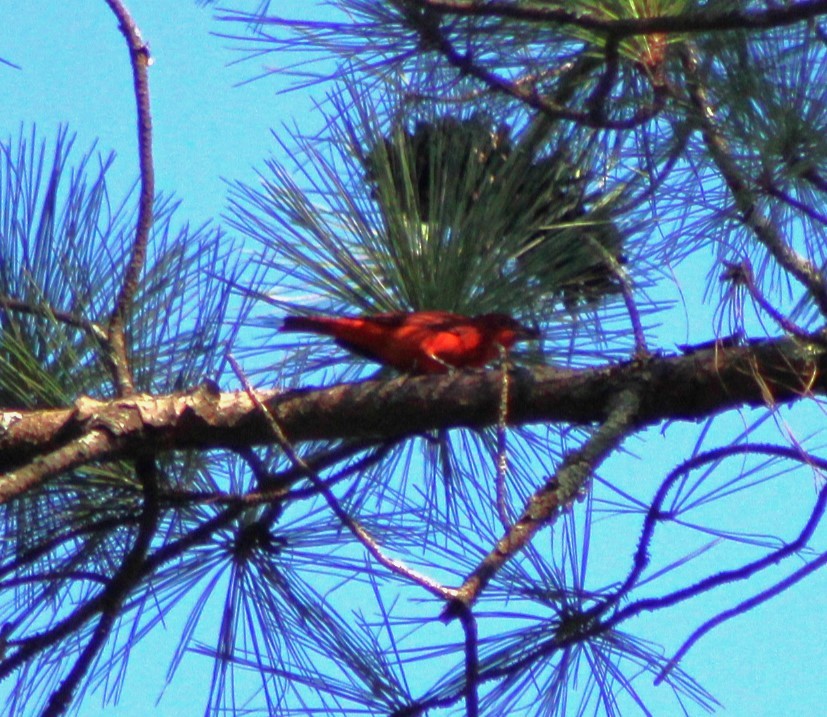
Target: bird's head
{"x": 506, "y": 330}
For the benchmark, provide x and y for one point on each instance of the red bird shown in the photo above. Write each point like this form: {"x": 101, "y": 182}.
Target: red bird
{"x": 421, "y": 341}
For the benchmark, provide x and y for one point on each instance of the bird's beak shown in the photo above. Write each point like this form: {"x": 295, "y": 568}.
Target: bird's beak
{"x": 527, "y": 333}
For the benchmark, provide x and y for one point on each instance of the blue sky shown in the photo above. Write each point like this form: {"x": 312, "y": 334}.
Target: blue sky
{"x": 75, "y": 71}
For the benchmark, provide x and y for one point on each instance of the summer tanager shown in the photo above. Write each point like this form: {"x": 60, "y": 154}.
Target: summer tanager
{"x": 420, "y": 341}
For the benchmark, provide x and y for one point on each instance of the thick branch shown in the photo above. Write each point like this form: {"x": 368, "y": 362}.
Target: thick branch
{"x": 35, "y": 445}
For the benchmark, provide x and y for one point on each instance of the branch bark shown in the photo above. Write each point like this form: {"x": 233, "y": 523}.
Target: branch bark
{"x": 35, "y": 445}
{"x": 548, "y": 502}
{"x": 698, "y": 21}
{"x": 140, "y": 61}
{"x": 743, "y": 195}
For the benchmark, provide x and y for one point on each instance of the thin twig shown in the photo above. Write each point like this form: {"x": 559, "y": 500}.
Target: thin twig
{"x": 96, "y": 331}
{"x": 741, "y": 275}
{"x": 558, "y": 494}
{"x": 641, "y": 349}
{"x": 117, "y": 590}
{"x": 472, "y": 662}
{"x": 140, "y": 61}
{"x": 503, "y": 509}
{"x": 656, "y": 514}
{"x": 361, "y": 534}
{"x": 740, "y": 609}
{"x": 726, "y": 577}
{"x": 744, "y": 197}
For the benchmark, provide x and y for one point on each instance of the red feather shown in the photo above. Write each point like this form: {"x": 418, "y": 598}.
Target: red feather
{"x": 420, "y": 341}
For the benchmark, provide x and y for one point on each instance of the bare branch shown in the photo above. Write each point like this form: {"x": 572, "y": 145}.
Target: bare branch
{"x": 360, "y": 533}
{"x": 557, "y": 495}
{"x": 655, "y": 513}
{"x": 8, "y": 303}
{"x": 140, "y": 61}
{"x": 746, "y": 605}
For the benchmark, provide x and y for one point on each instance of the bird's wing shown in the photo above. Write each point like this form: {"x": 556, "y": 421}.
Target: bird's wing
{"x": 358, "y": 350}
{"x": 432, "y": 320}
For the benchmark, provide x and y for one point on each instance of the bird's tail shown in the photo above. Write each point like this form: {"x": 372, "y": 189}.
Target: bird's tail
{"x": 308, "y": 324}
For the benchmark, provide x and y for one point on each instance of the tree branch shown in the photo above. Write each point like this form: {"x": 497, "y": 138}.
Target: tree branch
{"x": 432, "y": 37}
{"x": 35, "y": 445}
{"x": 741, "y": 608}
{"x": 117, "y": 589}
{"x": 140, "y": 61}
{"x": 558, "y": 494}
{"x": 472, "y": 661}
{"x": 655, "y": 514}
{"x": 9, "y": 303}
{"x": 726, "y": 577}
{"x": 745, "y": 199}
{"x": 774, "y": 16}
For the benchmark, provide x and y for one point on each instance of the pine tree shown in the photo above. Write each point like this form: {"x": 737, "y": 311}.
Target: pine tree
{"x": 479, "y": 542}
